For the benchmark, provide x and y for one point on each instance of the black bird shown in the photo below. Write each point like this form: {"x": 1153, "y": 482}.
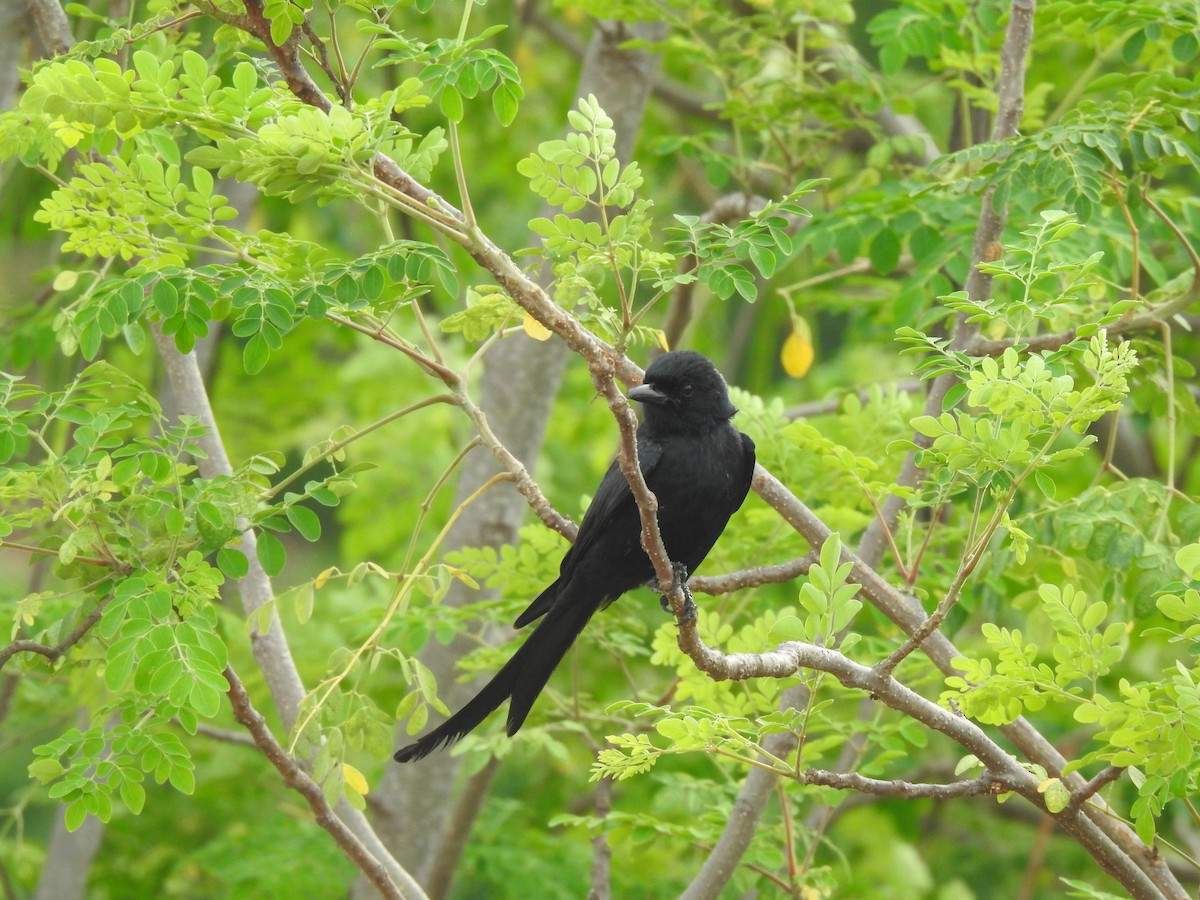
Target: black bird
{"x": 698, "y": 466}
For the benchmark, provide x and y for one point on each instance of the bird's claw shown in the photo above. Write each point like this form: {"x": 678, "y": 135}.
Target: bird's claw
{"x": 689, "y": 608}
{"x": 679, "y": 580}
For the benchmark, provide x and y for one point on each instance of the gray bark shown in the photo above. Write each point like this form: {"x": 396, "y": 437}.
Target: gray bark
{"x": 69, "y": 858}
{"x": 14, "y": 31}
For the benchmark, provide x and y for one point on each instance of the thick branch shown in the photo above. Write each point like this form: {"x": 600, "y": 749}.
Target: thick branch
{"x": 1111, "y": 842}
{"x": 53, "y": 27}
{"x": 271, "y": 650}
{"x": 986, "y": 246}
{"x": 788, "y": 658}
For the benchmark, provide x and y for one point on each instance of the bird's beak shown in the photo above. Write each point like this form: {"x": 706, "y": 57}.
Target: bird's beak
{"x": 644, "y": 393}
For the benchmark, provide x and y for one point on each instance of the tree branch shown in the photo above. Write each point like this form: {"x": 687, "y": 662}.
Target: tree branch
{"x": 53, "y": 27}
{"x": 788, "y": 658}
{"x": 601, "y": 875}
{"x": 1010, "y": 92}
{"x": 1101, "y": 779}
{"x": 53, "y": 653}
{"x": 747, "y": 578}
{"x": 270, "y": 647}
{"x": 986, "y": 783}
{"x": 1152, "y": 320}
{"x": 458, "y": 829}
{"x": 224, "y": 735}
{"x": 298, "y": 780}
{"x": 34, "y": 550}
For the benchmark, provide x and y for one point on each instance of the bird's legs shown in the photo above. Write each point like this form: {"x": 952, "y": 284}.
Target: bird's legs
{"x": 680, "y": 580}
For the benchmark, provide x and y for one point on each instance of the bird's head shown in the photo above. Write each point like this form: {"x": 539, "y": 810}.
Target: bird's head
{"x": 683, "y": 390}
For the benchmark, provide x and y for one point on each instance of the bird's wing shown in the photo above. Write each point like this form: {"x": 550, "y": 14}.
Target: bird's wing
{"x": 748, "y": 460}
{"x": 612, "y": 498}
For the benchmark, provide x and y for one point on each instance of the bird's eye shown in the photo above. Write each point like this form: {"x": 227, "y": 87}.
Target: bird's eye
{"x": 686, "y": 390}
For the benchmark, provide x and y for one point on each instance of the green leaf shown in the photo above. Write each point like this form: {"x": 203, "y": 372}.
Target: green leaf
{"x": 763, "y": 259}
{"x": 165, "y": 297}
{"x": 505, "y": 102}
{"x": 214, "y": 523}
{"x": 1056, "y": 795}
{"x": 847, "y": 241}
{"x": 787, "y": 628}
{"x": 182, "y": 779}
{"x": 1184, "y": 47}
{"x": 281, "y": 30}
{"x": 672, "y": 729}
{"x": 46, "y": 769}
{"x": 133, "y": 795}
{"x": 1146, "y": 827}
{"x": 1133, "y": 47}
{"x": 305, "y": 522}
{"x": 885, "y": 251}
{"x": 255, "y": 354}
{"x": 1188, "y": 559}
{"x": 232, "y": 563}
{"x": 305, "y": 598}
{"x": 1045, "y": 484}
{"x": 271, "y": 554}
{"x": 74, "y": 815}
{"x": 928, "y": 426}
{"x": 452, "y": 105}
{"x": 204, "y": 700}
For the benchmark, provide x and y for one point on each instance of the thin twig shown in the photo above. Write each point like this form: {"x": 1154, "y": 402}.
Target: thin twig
{"x": 1179, "y": 236}
{"x": 1151, "y": 320}
{"x": 986, "y": 783}
{"x": 35, "y": 550}
{"x": 53, "y": 653}
{"x": 322, "y": 58}
{"x": 835, "y": 404}
{"x": 224, "y": 735}
{"x": 1101, "y": 779}
{"x": 747, "y": 578}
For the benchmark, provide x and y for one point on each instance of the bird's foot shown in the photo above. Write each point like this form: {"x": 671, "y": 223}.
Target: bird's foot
{"x": 680, "y": 580}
